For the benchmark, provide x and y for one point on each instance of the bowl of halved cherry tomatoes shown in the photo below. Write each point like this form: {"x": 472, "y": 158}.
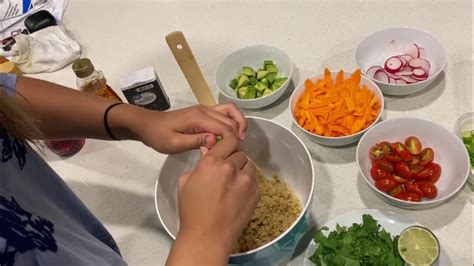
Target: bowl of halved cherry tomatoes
{"x": 412, "y": 163}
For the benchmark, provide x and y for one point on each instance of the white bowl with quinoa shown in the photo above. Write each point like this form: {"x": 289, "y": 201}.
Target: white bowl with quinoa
{"x": 285, "y": 201}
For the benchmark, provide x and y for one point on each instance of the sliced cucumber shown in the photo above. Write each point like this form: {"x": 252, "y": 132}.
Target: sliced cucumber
{"x": 271, "y": 68}
{"x": 267, "y": 62}
{"x": 261, "y": 74}
{"x": 261, "y": 86}
{"x": 267, "y": 91}
{"x": 248, "y": 71}
{"x": 251, "y": 83}
{"x": 243, "y": 81}
{"x": 233, "y": 83}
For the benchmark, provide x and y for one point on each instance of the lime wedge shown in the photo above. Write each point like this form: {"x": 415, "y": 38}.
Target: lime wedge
{"x": 418, "y": 246}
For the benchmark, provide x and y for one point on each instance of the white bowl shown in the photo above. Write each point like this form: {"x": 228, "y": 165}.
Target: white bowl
{"x": 252, "y": 56}
{"x": 335, "y": 141}
{"x": 269, "y": 144}
{"x": 449, "y": 153}
{"x": 377, "y": 47}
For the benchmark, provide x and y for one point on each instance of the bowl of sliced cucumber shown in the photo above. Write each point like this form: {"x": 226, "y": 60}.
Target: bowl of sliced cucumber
{"x": 254, "y": 76}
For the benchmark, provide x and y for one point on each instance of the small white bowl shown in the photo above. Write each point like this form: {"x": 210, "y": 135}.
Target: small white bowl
{"x": 377, "y": 47}
{"x": 252, "y": 56}
{"x": 335, "y": 141}
{"x": 466, "y": 122}
{"x": 449, "y": 153}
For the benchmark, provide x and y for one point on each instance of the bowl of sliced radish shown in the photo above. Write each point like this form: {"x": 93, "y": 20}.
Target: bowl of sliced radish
{"x": 401, "y": 60}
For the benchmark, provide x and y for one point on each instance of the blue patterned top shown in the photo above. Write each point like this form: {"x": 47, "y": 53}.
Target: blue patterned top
{"x": 42, "y": 222}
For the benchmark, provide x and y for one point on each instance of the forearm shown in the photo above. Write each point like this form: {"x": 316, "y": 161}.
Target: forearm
{"x": 192, "y": 249}
{"x": 67, "y": 113}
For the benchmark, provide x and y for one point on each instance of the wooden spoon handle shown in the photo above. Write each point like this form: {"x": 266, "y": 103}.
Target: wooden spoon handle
{"x": 186, "y": 61}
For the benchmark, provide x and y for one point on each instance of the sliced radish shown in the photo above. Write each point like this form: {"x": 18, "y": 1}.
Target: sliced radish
{"x": 419, "y": 73}
{"x": 393, "y": 75}
{"x": 407, "y": 57}
{"x": 407, "y": 68}
{"x": 400, "y": 81}
{"x": 404, "y": 61}
{"x": 419, "y": 49}
{"x": 371, "y": 71}
{"x": 380, "y": 75}
{"x": 393, "y": 64}
{"x": 419, "y": 79}
{"x": 412, "y": 50}
{"x": 404, "y": 73}
{"x": 409, "y": 79}
{"x": 419, "y": 63}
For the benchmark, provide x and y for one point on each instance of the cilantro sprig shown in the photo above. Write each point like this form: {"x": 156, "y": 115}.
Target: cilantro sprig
{"x": 361, "y": 244}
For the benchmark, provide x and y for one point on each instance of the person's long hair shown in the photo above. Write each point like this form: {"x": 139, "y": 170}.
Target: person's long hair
{"x": 18, "y": 121}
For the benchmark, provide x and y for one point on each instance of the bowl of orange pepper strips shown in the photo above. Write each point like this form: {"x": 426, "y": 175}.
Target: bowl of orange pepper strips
{"x": 336, "y": 108}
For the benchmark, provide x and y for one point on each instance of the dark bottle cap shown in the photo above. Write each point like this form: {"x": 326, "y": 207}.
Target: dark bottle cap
{"x": 83, "y": 67}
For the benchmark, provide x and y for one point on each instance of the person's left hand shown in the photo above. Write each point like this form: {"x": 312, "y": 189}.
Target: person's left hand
{"x": 216, "y": 200}
{"x": 190, "y": 128}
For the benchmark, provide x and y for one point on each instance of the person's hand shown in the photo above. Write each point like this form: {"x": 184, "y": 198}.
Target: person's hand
{"x": 216, "y": 201}
{"x": 190, "y": 128}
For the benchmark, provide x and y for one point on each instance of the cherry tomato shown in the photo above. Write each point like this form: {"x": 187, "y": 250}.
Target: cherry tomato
{"x": 397, "y": 190}
{"x": 387, "y": 148}
{"x": 383, "y": 164}
{"x": 436, "y": 172}
{"x": 393, "y": 158}
{"x": 423, "y": 174}
{"x": 426, "y": 156}
{"x": 415, "y": 159}
{"x": 415, "y": 169}
{"x": 386, "y": 184}
{"x": 408, "y": 197}
{"x": 400, "y": 180}
{"x": 377, "y": 152}
{"x": 429, "y": 190}
{"x": 414, "y": 188}
{"x": 402, "y": 151}
{"x": 378, "y": 173}
{"x": 403, "y": 170}
{"x": 421, "y": 182}
{"x": 413, "y": 145}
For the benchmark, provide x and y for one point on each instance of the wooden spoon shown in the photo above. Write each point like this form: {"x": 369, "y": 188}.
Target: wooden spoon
{"x": 186, "y": 61}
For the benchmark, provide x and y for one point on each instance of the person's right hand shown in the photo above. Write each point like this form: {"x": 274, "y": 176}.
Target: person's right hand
{"x": 216, "y": 201}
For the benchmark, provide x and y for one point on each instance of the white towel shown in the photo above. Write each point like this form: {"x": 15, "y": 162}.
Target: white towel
{"x": 46, "y": 50}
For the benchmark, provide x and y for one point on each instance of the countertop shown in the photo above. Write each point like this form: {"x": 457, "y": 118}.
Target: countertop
{"x": 116, "y": 180}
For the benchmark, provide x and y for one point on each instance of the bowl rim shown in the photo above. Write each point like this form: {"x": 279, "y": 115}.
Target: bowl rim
{"x": 400, "y": 203}
{"x": 428, "y": 80}
{"x": 293, "y": 94}
{"x": 297, "y": 220}
{"x": 221, "y": 91}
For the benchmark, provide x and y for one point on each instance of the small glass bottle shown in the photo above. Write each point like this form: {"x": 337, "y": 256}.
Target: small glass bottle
{"x": 91, "y": 80}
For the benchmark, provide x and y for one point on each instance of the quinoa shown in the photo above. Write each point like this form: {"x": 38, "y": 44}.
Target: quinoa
{"x": 277, "y": 209}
